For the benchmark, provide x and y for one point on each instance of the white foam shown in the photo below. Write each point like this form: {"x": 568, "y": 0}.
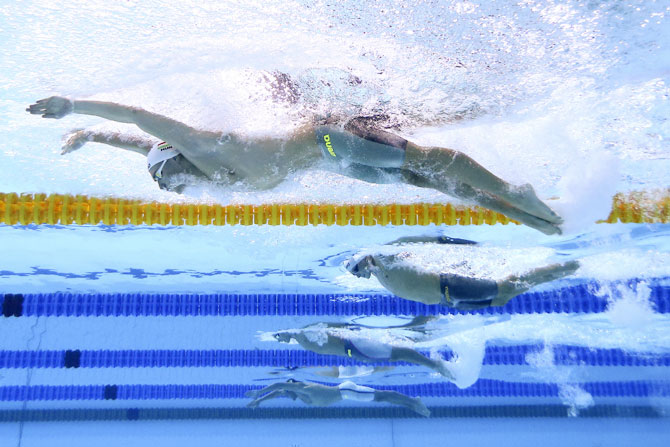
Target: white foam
{"x": 547, "y": 371}
{"x": 586, "y": 191}
{"x": 629, "y": 307}
{"x": 467, "y": 361}
{"x": 476, "y": 261}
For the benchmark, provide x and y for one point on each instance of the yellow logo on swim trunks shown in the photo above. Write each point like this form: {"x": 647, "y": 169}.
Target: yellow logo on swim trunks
{"x": 329, "y": 145}
{"x": 349, "y": 352}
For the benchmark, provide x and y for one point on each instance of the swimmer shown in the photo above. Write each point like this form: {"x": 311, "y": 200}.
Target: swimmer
{"x": 322, "y": 395}
{"x": 448, "y": 289}
{"x": 178, "y": 153}
{"x": 345, "y": 340}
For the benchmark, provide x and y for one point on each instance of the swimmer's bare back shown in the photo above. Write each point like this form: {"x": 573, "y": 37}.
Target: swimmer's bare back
{"x": 263, "y": 163}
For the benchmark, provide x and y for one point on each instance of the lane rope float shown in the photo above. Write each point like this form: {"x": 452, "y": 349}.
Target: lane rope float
{"x": 297, "y": 358}
{"x": 26, "y": 209}
{"x": 580, "y": 298}
{"x": 481, "y": 388}
{"x": 554, "y": 411}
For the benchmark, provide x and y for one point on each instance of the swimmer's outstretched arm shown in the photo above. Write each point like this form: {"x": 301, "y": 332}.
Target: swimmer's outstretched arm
{"x": 310, "y": 393}
{"x": 198, "y": 146}
{"x": 279, "y": 386}
{"x": 78, "y": 138}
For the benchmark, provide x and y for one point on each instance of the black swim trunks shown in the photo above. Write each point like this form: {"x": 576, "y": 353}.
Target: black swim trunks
{"x": 466, "y": 293}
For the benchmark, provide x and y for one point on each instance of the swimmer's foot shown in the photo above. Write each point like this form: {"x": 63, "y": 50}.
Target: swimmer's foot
{"x": 443, "y": 369}
{"x": 527, "y": 200}
{"x": 554, "y": 271}
{"x": 253, "y": 394}
{"x": 253, "y": 403}
{"x": 419, "y": 407}
{"x": 542, "y": 225}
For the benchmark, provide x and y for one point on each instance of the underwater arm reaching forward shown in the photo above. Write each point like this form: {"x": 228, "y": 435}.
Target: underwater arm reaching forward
{"x": 78, "y": 138}
{"x": 197, "y": 146}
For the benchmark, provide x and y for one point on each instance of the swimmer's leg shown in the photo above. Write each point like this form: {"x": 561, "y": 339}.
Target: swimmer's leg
{"x": 393, "y": 397}
{"x": 484, "y": 199}
{"x": 515, "y": 285}
{"x": 412, "y": 356}
{"x": 440, "y": 164}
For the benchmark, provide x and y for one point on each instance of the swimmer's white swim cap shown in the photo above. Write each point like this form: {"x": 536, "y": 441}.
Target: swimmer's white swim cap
{"x": 160, "y": 152}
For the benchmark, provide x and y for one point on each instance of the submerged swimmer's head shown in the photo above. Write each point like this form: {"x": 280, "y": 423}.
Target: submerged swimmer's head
{"x": 171, "y": 170}
{"x": 283, "y": 337}
{"x": 360, "y": 266}
{"x": 158, "y": 157}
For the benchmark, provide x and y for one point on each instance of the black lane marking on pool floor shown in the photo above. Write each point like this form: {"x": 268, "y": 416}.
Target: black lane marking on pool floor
{"x": 72, "y": 359}
{"x": 111, "y": 392}
{"x": 292, "y": 358}
{"x": 472, "y": 412}
{"x": 12, "y": 305}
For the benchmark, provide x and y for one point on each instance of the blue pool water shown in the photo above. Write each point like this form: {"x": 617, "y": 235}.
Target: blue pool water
{"x": 140, "y": 334}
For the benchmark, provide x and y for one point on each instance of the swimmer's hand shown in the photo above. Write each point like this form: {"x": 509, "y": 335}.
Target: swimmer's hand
{"x": 74, "y": 140}
{"x": 53, "y": 107}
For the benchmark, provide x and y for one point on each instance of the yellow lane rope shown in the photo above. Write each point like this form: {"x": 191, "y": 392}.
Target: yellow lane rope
{"x": 53, "y": 209}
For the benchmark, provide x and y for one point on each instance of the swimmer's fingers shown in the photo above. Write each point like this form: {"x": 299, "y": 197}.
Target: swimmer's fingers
{"x": 54, "y": 107}
{"x": 38, "y": 108}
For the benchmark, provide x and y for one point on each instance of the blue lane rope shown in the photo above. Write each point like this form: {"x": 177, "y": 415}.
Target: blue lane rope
{"x": 292, "y": 358}
{"x": 303, "y": 412}
{"x": 482, "y": 388}
{"x": 573, "y": 299}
